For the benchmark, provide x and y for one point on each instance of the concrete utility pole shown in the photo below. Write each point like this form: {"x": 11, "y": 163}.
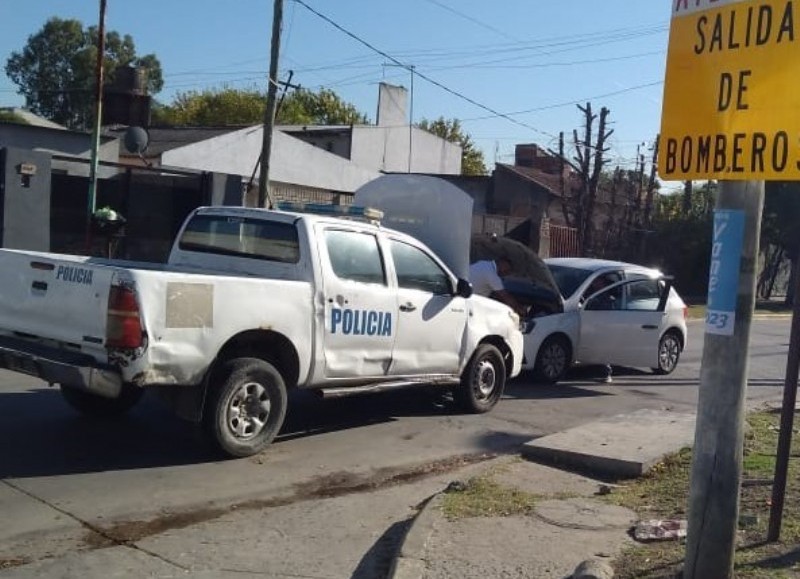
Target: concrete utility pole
{"x": 98, "y": 119}
{"x": 269, "y": 112}
{"x": 717, "y": 454}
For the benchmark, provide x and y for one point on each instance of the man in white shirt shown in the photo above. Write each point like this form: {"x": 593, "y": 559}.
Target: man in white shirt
{"x": 486, "y": 278}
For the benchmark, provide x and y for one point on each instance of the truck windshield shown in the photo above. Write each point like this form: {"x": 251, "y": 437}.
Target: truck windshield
{"x": 241, "y": 236}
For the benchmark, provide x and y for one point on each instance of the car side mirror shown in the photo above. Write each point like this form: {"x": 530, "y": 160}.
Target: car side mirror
{"x": 463, "y": 288}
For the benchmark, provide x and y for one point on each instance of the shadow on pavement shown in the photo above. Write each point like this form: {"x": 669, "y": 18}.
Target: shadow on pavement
{"x": 530, "y": 391}
{"x": 377, "y": 561}
{"x": 45, "y": 437}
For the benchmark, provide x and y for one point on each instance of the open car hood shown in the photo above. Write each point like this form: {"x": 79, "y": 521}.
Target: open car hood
{"x": 530, "y": 280}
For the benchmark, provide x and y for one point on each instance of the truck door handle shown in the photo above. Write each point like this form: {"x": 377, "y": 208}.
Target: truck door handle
{"x": 408, "y": 307}
{"x": 649, "y": 327}
{"x": 39, "y": 285}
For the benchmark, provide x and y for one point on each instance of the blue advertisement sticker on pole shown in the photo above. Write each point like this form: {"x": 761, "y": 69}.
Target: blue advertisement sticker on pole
{"x": 723, "y": 277}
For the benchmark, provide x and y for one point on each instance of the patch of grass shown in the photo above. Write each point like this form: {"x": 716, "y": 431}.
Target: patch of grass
{"x": 482, "y": 497}
{"x": 663, "y": 493}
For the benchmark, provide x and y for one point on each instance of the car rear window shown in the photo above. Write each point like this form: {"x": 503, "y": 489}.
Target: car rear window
{"x": 568, "y": 279}
{"x": 242, "y": 237}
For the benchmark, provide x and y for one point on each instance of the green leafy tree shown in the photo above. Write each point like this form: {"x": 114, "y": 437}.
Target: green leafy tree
{"x": 325, "y": 107}
{"x": 680, "y": 240}
{"x": 246, "y": 107}
{"x": 472, "y": 162}
{"x": 212, "y": 108}
{"x": 779, "y": 224}
{"x": 55, "y": 71}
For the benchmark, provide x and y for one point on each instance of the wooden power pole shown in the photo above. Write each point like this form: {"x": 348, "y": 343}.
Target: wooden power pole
{"x": 264, "y": 199}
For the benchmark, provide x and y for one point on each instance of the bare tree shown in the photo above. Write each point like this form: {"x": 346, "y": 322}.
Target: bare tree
{"x": 578, "y": 205}
{"x": 647, "y": 221}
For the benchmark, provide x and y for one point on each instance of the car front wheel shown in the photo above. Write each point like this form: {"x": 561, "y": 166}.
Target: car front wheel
{"x": 669, "y": 352}
{"x": 553, "y": 360}
{"x": 483, "y": 380}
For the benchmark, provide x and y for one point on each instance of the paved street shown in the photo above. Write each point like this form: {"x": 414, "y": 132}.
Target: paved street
{"x": 72, "y": 485}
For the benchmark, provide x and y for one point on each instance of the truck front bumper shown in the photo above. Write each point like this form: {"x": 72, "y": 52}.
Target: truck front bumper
{"x": 58, "y": 366}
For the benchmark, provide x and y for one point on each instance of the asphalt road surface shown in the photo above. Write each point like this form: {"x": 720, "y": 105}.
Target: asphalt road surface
{"x": 130, "y": 479}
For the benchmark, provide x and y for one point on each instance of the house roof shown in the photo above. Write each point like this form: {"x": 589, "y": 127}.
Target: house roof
{"x": 32, "y": 119}
{"x": 324, "y": 129}
{"x": 163, "y": 139}
{"x": 548, "y": 181}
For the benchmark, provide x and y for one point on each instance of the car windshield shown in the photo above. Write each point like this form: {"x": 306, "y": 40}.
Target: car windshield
{"x": 568, "y": 279}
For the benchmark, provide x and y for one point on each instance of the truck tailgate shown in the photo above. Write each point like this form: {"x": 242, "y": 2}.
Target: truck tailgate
{"x": 59, "y": 297}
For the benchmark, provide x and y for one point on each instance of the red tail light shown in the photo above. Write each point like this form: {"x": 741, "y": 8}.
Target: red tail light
{"x": 685, "y": 312}
{"x": 123, "y": 326}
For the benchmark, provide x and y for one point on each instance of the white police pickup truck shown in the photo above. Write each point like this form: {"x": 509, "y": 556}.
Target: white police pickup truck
{"x": 250, "y": 304}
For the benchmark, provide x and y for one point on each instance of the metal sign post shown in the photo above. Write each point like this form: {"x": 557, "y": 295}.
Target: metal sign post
{"x": 98, "y": 121}
{"x": 787, "y": 420}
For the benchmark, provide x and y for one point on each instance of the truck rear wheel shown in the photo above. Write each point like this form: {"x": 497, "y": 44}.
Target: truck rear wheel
{"x": 97, "y": 406}
{"x": 245, "y": 407}
{"x": 483, "y": 380}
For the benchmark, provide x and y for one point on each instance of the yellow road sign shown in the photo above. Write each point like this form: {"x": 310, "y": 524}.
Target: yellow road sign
{"x": 732, "y": 91}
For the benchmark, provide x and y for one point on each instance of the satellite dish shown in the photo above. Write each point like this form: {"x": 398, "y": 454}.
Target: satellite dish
{"x": 136, "y": 140}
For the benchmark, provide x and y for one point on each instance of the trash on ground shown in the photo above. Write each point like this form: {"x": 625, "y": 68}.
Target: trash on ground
{"x": 660, "y": 530}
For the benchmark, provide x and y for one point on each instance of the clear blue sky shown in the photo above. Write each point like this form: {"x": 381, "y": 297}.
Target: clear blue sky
{"x": 510, "y": 55}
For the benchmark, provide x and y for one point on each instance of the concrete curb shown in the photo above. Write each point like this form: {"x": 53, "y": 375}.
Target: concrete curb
{"x": 408, "y": 560}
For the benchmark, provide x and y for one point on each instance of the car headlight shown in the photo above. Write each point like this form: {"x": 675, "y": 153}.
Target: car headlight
{"x": 514, "y": 318}
{"x": 527, "y": 326}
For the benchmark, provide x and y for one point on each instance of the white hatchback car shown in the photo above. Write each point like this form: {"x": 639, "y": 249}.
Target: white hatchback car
{"x": 613, "y": 313}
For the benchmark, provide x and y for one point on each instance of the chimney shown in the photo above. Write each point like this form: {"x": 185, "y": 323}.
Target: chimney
{"x": 125, "y": 101}
{"x": 392, "y": 105}
{"x": 533, "y": 156}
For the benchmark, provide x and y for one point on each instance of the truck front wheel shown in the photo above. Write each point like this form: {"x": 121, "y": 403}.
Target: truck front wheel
{"x": 96, "y": 406}
{"x": 483, "y": 380}
{"x": 246, "y": 407}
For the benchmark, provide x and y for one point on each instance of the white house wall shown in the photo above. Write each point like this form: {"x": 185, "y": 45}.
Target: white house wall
{"x": 291, "y": 161}
{"x": 386, "y": 149}
{"x": 61, "y": 142}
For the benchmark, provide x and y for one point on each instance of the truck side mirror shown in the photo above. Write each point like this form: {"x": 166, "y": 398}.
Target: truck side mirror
{"x": 463, "y": 288}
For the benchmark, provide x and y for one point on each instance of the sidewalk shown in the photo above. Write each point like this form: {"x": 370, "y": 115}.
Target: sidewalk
{"x": 507, "y": 518}
{"x": 519, "y": 519}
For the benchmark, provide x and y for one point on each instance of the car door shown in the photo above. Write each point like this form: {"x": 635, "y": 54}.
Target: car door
{"x": 431, "y": 320}
{"x": 360, "y": 306}
{"x": 622, "y": 324}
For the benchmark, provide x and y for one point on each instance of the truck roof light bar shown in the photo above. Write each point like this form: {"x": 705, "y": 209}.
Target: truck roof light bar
{"x": 353, "y": 211}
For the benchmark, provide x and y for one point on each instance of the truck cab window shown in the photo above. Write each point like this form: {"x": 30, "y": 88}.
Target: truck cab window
{"x": 242, "y": 237}
{"x": 416, "y": 270}
{"x": 355, "y": 256}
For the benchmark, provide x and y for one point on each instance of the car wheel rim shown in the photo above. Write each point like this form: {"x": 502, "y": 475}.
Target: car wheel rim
{"x": 553, "y": 360}
{"x": 248, "y": 410}
{"x": 668, "y": 355}
{"x": 485, "y": 379}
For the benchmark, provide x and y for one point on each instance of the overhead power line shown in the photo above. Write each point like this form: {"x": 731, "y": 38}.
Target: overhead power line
{"x": 419, "y": 74}
{"x": 469, "y": 18}
{"x": 572, "y": 102}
